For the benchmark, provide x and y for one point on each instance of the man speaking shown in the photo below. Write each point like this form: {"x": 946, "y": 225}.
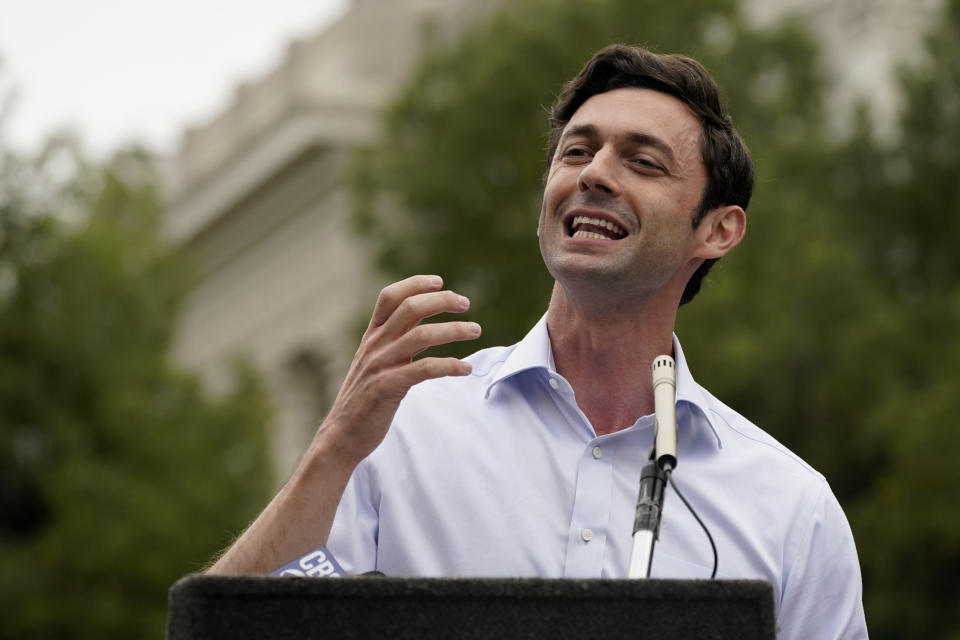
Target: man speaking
{"x": 525, "y": 460}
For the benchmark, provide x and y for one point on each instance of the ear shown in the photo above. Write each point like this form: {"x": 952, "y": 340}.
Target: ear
{"x": 721, "y": 230}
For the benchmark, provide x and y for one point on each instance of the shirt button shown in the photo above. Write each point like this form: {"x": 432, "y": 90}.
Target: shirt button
{"x": 587, "y": 535}
{"x": 597, "y": 453}
{"x": 554, "y": 384}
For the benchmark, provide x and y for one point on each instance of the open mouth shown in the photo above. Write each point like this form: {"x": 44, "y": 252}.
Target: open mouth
{"x": 589, "y": 227}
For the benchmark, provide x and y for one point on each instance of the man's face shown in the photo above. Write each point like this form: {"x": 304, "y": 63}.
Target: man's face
{"x": 623, "y": 186}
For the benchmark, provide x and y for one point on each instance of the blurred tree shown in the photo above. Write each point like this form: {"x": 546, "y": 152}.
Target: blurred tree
{"x": 117, "y": 473}
{"x": 838, "y": 310}
{"x": 903, "y": 204}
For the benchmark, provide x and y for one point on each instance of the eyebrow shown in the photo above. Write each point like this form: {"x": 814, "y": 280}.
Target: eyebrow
{"x": 636, "y": 137}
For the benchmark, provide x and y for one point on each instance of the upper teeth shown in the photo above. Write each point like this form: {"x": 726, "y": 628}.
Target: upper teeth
{"x": 597, "y": 222}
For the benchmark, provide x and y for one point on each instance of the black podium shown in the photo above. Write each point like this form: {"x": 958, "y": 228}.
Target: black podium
{"x": 213, "y": 607}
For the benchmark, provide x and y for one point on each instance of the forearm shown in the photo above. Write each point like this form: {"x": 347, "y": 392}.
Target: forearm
{"x": 299, "y": 517}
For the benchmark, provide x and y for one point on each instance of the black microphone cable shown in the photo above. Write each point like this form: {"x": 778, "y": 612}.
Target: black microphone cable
{"x": 713, "y": 546}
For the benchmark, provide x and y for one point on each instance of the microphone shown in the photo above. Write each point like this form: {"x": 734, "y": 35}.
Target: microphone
{"x": 653, "y": 476}
{"x": 665, "y": 412}
{"x": 318, "y": 563}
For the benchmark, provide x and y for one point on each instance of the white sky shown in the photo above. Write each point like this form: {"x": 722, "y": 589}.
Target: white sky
{"x": 117, "y": 71}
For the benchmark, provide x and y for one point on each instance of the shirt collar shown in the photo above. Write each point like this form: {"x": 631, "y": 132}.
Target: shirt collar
{"x": 690, "y": 392}
{"x": 534, "y": 353}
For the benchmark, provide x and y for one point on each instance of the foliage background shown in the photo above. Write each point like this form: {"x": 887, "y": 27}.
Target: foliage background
{"x": 834, "y": 326}
{"x": 118, "y": 474}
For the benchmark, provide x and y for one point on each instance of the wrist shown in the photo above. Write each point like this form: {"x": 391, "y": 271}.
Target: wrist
{"x": 330, "y": 455}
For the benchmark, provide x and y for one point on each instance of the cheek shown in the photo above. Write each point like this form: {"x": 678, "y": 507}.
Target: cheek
{"x": 673, "y": 207}
{"x": 548, "y": 203}
{"x": 559, "y": 185}
{"x": 546, "y": 213}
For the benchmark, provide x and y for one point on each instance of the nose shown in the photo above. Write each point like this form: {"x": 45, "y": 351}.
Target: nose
{"x": 599, "y": 173}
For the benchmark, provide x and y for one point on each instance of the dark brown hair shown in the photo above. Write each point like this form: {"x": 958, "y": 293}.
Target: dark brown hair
{"x": 725, "y": 156}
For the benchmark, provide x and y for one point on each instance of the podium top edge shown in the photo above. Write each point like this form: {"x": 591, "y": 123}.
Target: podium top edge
{"x": 360, "y": 586}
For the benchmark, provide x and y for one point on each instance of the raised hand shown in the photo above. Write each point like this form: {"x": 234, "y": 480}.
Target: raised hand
{"x": 383, "y": 369}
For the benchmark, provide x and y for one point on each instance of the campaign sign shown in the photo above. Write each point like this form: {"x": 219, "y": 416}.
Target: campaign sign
{"x": 319, "y": 563}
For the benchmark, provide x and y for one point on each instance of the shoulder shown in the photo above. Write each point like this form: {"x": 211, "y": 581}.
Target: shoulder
{"x": 785, "y": 492}
{"x": 788, "y": 485}
{"x": 741, "y": 435}
{"x": 792, "y": 506}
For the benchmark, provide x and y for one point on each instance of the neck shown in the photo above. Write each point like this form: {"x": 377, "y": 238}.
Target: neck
{"x": 605, "y": 352}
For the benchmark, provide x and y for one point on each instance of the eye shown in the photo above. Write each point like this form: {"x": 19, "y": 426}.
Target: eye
{"x": 575, "y": 152}
{"x": 646, "y": 163}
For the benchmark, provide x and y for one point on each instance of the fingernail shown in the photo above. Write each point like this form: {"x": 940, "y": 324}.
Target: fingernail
{"x": 463, "y": 300}
{"x": 436, "y": 281}
{"x": 474, "y": 329}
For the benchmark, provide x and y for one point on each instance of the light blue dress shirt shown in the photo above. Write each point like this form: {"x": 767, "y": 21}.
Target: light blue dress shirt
{"x": 499, "y": 473}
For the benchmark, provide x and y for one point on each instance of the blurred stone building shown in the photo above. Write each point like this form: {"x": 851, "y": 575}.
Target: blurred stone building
{"x": 257, "y": 195}
{"x": 257, "y": 198}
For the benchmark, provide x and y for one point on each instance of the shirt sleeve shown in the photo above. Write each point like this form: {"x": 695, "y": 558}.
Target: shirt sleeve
{"x": 353, "y": 537}
{"x": 822, "y": 591}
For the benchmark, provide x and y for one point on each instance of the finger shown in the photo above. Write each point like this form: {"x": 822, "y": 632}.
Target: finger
{"x": 429, "y": 368}
{"x": 418, "y": 307}
{"x": 425, "y": 336}
{"x": 394, "y": 294}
